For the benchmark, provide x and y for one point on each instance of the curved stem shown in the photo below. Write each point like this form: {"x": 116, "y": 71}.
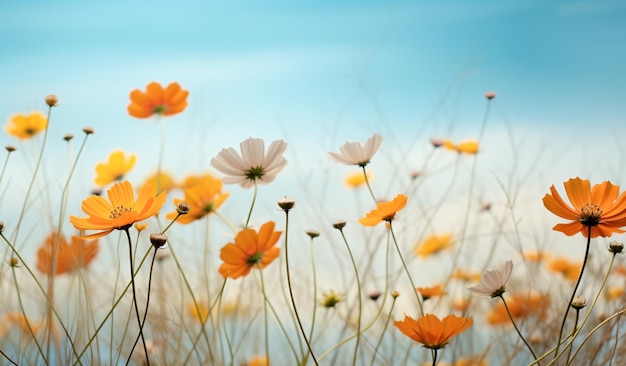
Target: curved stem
{"x": 293, "y": 300}
{"x": 434, "y": 356}
{"x": 369, "y": 187}
{"x": 132, "y": 281}
{"x": 406, "y": 269}
{"x": 145, "y": 314}
{"x": 256, "y": 189}
{"x": 582, "y": 269}
{"x": 516, "y": 328}
{"x": 358, "y": 283}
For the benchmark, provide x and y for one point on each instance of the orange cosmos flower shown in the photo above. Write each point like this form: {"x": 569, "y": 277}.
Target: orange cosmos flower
{"x": 156, "y": 100}
{"x": 432, "y": 332}
{"x": 385, "y": 211}
{"x": 250, "y": 250}
{"x": 25, "y": 126}
{"x": 203, "y": 198}
{"x": 14, "y": 320}
{"x": 520, "y": 306}
{"x": 598, "y": 208}
{"x": 115, "y": 168}
{"x": 428, "y": 292}
{"x": 569, "y": 270}
{"x": 70, "y": 256}
{"x": 258, "y": 361}
{"x": 121, "y": 211}
{"x": 433, "y": 245}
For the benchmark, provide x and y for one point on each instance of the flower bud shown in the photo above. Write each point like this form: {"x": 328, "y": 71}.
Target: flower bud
{"x": 182, "y": 208}
{"x": 1, "y": 226}
{"x": 286, "y": 203}
{"x": 68, "y": 137}
{"x": 616, "y": 247}
{"x": 374, "y": 295}
{"x": 10, "y": 148}
{"x": 88, "y": 130}
{"x": 339, "y": 224}
{"x": 490, "y": 95}
{"x": 158, "y": 240}
{"x": 52, "y": 100}
{"x": 395, "y": 294}
{"x": 14, "y": 262}
{"x": 313, "y": 233}
{"x": 579, "y": 302}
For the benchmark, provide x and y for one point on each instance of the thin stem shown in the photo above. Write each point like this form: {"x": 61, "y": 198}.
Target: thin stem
{"x": 314, "y": 293}
{"x": 569, "y": 352}
{"x": 516, "y": 328}
{"x": 368, "y": 183}
{"x": 256, "y": 189}
{"x": 132, "y": 281}
{"x": 293, "y": 300}
{"x": 267, "y": 341}
{"x": 358, "y": 283}
{"x": 434, "y": 357}
{"x": 616, "y": 315}
{"x": 145, "y": 314}
{"x": 380, "y": 339}
{"x": 161, "y": 153}
{"x": 406, "y": 269}
{"x": 582, "y": 269}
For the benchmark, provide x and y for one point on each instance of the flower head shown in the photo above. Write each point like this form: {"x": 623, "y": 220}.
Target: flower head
{"x": 203, "y": 198}
{"x": 430, "y": 292}
{"x": 385, "y": 211}
{"x": 570, "y": 270}
{"x": 353, "y": 153}
{"x": 250, "y": 250}
{"x": 253, "y": 165}
{"x": 163, "y": 181}
{"x": 70, "y": 257}
{"x": 432, "y": 332}
{"x": 156, "y": 100}
{"x": 330, "y": 299}
{"x": 121, "y": 211}
{"x": 520, "y": 306}
{"x": 25, "y": 126}
{"x": 493, "y": 283}
{"x": 117, "y": 166}
{"x": 598, "y": 209}
{"x": 357, "y": 179}
{"x": 469, "y": 147}
{"x": 433, "y": 245}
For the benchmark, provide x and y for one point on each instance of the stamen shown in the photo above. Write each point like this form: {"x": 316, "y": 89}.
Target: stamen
{"x": 590, "y": 214}
{"x": 119, "y": 211}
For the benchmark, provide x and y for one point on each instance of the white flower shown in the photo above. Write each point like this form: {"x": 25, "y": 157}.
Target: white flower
{"x": 493, "y": 283}
{"x": 253, "y": 165}
{"x": 353, "y": 153}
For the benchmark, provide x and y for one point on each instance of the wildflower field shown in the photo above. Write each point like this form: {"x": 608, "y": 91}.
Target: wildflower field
{"x": 165, "y": 270}
{"x": 174, "y": 226}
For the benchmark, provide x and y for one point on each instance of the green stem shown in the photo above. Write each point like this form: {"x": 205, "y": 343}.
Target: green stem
{"x": 369, "y": 187}
{"x": 406, "y": 269}
{"x": 256, "y": 188}
{"x": 516, "y": 328}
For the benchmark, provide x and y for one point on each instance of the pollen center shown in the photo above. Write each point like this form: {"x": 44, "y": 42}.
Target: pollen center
{"x": 255, "y": 173}
{"x": 590, "y": 214}
{"x": 119, "y": 211}
{"x": 254, "y": 259}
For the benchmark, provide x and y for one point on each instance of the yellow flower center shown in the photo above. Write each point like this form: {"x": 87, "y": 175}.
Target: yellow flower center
{"x": 590, "y": 214}
{"x": 119, "y": 211}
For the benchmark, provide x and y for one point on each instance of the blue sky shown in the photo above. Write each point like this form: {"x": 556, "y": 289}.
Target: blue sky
{"x": 320, "y": 73}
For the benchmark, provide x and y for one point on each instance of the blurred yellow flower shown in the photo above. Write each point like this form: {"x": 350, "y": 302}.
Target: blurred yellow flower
{"x": 199, "y": 313}
{"x": 614, "y": 292}
{"x": 203, "y": 198}
{"x": 25, "y": 126}
{"x": 433, "y": 245}
{"x": 471, "y": 361}
{"x": 465, "y": 275}
{"x": 469, "y": 147}
{"x": 357, "y": 179}
{"x": 114, "y": 169}
{"x": 163, "y": 180}
{"x": 257, "y": 361}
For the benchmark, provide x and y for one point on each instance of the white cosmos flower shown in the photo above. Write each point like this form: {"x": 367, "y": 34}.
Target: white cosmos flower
{"x": 493, "y": 283}
{"x": 253, "y": 165}
{"x": 353, "y": 153}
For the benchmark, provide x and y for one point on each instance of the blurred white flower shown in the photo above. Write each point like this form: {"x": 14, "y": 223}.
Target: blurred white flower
{"x": 353, "y": 153}
{"x": 253, "y": 165}
{"x": 493, "y": 283}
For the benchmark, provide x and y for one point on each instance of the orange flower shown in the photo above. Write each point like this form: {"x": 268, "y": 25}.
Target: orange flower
{"x": 598, "y": 208}
{"x": 432, "y": 332}
{"x": 385, "y": 211}
{"x": 25, "y": 126}
{"x": 469, "y": 147}
{"x": 520, "y": 305}
{"x": 250, "y": 250}
{"x": 569, "y": 270}
{"x": 121, "y": 211}
{"x": 156, "y": 100}
{"x": 428, "y": 292}
{"x": 465, "y": 275}
{"x": 115, "y": 169}
{"x": 70, "y": 256}
{"x": 203, "y": 198}
{"x": 433, "y": 245}
{"x": 19, "y": 321}
{"x": 258, "y": 361}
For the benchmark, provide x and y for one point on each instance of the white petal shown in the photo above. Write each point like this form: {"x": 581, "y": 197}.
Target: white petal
{"x": 253, "y": 152}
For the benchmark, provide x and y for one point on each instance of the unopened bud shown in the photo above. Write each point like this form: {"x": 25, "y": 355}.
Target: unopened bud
{"x": 579, "y": 302}
{"x": 1, "y": 226}
{"x": 286, "y": 203}
{"x": 10, "y": 148}
{"x": 68, "y": 137}
{"x": 374, "y": 295}
{"x": 14, "y": 262}
{"x": 339, "y": 224}
{"x": 88, "y": 130}
{"x": 158, "y": 240}
{"x": 182, "y": 208}
{"x": 52, "y": 100}
{"x": 490, "y": 95}
{"x": 616, "y": 247}
{"x": 395, "y": 294}
{"x": 313, "y": 233}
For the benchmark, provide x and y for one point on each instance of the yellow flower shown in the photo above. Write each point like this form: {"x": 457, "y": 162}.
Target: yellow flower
{"x": 199, "y": 313}
{"x": 163, "y": 180}
{"x": 569, "y": 270}
{"x": 258, "y": 361}
{"x": 250, "y": 250}
{"x": 385, "y": 211}
{"x": 114, "y": 169}
{"x": 465, "y": 275}
{"x": 120, "y": 212}
{"x": 25, "y": 126}
{"x": 469, "y": 147}
{"x": 330, "y": 299}
{"x": 433, "y": 245}
{"x": 614, "y": 292}
{"x": 598, "y": 210}
{"x": 432, "y": 332}
{"x": 203, "y": 199}
{"x": 357, "y": 179}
